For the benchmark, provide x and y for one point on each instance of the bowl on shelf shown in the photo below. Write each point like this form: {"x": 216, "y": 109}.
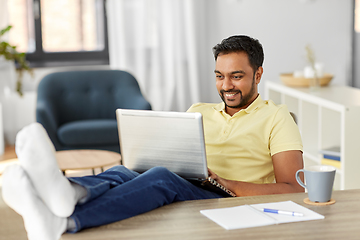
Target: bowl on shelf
{"x": 289, "y": 80}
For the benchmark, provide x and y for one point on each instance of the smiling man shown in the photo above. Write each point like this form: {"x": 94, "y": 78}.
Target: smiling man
{"x": 237, "y": 88}
{"x": 253, "y": 147}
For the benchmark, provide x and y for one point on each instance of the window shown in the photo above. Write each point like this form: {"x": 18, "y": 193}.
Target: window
{"x": 60, "y": 32}
{"x": 356, "y": 46}
{"x": 357, "y": 16}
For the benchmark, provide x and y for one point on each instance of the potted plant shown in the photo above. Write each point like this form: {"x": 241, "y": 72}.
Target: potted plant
{"x": 10, "y": 53}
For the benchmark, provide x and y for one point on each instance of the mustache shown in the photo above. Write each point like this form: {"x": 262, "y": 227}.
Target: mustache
{"x": 230, "y": 91}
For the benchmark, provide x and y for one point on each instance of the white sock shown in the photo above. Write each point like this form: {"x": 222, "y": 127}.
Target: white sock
{"x": 18, "y": 192}
{"x": 36, "y": 154}
{"x": 80, "y": 193}
{"x": 71, "y": 225}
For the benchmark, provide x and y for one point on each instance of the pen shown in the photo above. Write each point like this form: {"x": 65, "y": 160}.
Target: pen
{"x": 296, "y": 214}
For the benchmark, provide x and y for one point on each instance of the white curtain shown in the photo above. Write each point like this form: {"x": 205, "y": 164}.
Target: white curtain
{"x": 3, "y": 14}
{"x": 155, "y": 41}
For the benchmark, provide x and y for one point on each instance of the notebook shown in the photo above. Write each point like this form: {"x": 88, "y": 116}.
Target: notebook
{"x": 174, "y": 140}
{"x": 246, "y": 216}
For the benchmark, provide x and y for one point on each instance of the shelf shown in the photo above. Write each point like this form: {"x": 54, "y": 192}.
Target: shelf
{"x": 327, "y": 117}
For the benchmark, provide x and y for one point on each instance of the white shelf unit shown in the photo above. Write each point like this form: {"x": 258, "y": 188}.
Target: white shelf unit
{"x": 327, "y": 117}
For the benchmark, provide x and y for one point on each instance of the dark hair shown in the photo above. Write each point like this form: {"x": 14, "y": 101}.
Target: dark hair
{"x": 240, "y": 43}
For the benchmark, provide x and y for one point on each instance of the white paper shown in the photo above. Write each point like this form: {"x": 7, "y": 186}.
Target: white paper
{"x": 247, "y": 216}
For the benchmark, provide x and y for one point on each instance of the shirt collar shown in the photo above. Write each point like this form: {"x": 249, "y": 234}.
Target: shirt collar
{"x": 252, "y": 107}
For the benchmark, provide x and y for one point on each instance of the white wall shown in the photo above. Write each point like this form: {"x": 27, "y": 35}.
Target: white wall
{"x": 284, "y": 27}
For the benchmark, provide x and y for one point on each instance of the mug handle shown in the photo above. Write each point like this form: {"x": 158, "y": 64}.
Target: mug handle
{"x": 298, "y": 178}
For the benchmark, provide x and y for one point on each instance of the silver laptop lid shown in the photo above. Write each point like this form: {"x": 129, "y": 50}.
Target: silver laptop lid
{"x": 174, "y": 140}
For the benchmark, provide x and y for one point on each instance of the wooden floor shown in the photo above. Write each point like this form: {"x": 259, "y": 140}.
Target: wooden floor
{"x": 9, "y": 153}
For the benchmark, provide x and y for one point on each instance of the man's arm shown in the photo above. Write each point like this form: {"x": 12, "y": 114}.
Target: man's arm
{"x": 285, "y": 166}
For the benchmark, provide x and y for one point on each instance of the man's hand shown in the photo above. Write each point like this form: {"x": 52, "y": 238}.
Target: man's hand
{"x": 212, "y": 174}
{"x": 220, "y": 180}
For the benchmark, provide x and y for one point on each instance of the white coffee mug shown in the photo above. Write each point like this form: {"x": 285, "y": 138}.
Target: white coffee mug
{"x": 319, "y": 182}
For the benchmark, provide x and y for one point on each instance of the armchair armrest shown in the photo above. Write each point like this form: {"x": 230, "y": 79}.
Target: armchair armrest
{"x": 47, "y": 117}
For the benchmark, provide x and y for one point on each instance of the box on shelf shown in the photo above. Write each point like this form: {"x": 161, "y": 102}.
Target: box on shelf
{"x": 331, "y": 156}
{"x": 331, "y": 152}
{"x": 331, "y": 162}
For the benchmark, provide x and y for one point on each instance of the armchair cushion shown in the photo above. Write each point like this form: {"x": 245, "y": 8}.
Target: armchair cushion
{"x": 89, "y": 133}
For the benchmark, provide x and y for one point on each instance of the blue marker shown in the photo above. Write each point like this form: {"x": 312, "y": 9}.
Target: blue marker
{"x": 296, "y": 214}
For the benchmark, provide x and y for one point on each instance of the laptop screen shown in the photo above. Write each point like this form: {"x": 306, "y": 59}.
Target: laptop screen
{"x": 174, "y": 140}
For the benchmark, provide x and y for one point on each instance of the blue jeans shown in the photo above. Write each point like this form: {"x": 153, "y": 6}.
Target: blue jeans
{"x": 120, "y": 193}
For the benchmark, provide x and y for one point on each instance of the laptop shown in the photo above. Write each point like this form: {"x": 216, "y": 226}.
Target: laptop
{"x": 174, "y": 140}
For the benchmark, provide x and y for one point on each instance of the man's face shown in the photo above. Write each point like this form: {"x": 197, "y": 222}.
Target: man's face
{"x": 236, "y": 81}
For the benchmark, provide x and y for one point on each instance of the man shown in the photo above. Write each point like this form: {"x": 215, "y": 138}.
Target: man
{"x": 264, "y": 126}
{"x": 253, "y": 148}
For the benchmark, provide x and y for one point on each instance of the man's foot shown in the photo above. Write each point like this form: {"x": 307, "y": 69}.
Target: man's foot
{"x": 19, "y": 194}
{"x": 36, "y": 154}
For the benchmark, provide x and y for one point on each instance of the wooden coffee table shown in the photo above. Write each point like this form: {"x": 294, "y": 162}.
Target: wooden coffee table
{"x": 79, "y": 160}
{"x": 86, "y": 159}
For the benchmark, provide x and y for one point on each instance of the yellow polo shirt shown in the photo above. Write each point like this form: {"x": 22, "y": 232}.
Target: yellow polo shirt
{"x": 240, "y": 147}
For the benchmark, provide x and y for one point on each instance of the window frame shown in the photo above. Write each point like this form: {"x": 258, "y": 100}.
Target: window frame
{"x": 39, "y": 58}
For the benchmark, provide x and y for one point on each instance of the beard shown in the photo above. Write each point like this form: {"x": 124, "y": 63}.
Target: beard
{"x": 244, "y": 99}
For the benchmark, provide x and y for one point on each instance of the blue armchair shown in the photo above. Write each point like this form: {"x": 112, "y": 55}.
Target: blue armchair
{"x": 77, "y": 108}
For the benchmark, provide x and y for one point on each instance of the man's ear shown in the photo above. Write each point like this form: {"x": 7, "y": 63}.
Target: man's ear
{"x": 258, "y": 74}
